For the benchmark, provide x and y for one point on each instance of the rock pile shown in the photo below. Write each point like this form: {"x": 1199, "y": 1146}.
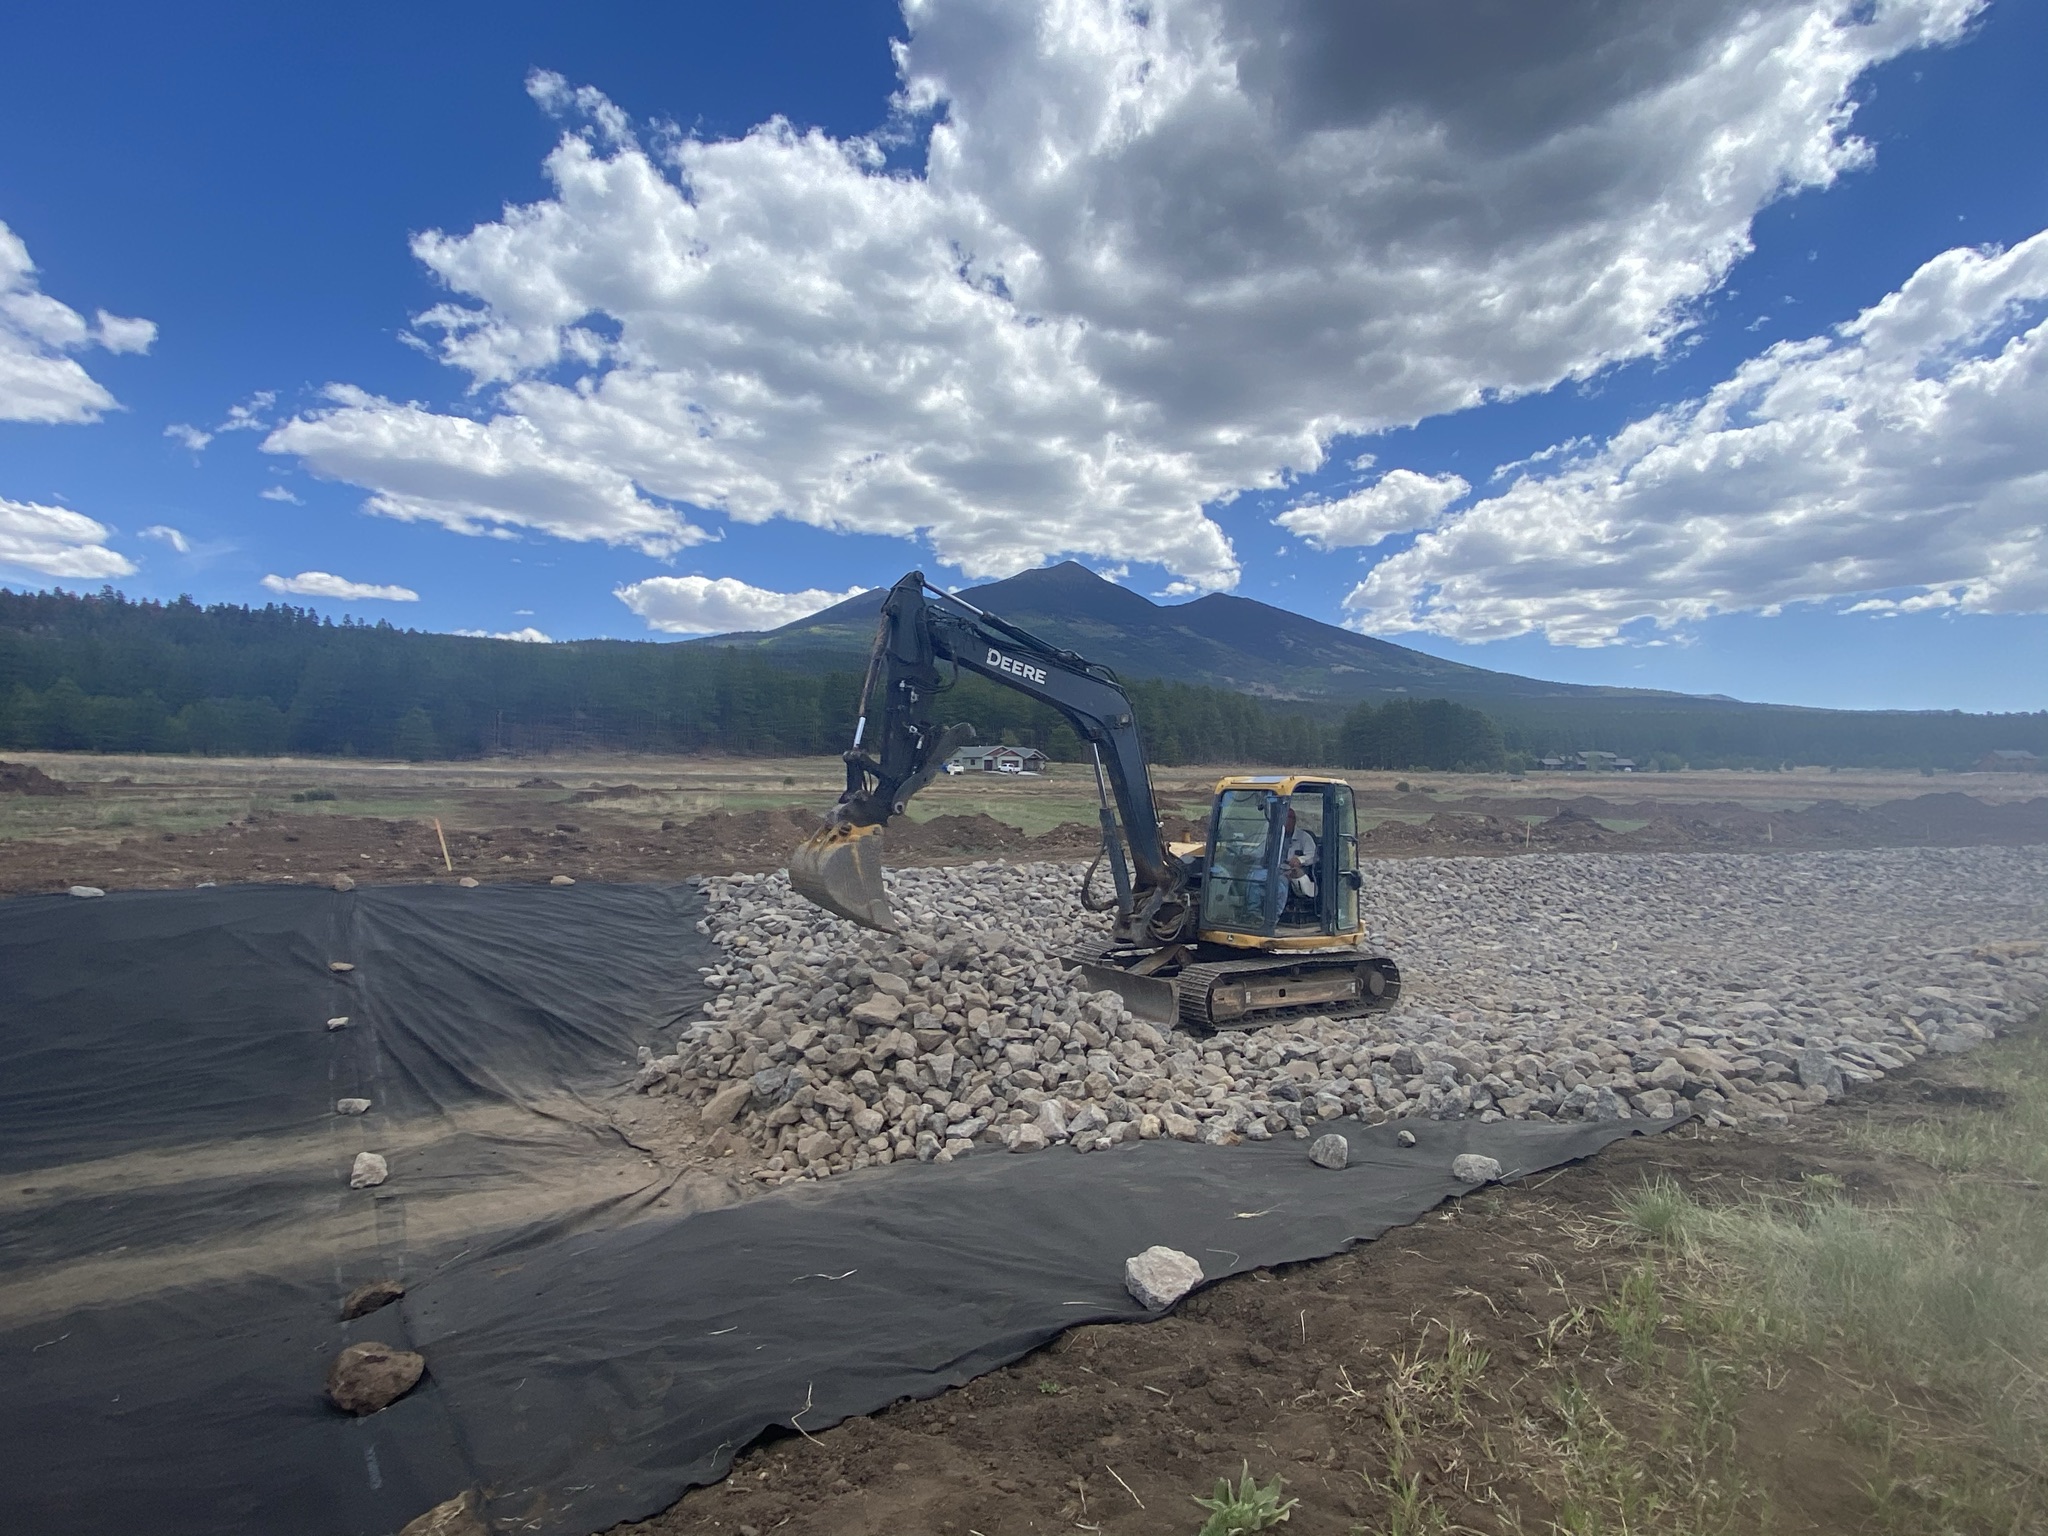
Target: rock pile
{"x": 1744, "y": 988}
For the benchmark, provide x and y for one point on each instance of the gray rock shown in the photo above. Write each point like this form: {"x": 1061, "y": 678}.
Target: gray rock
{"x": 453, "y": 1517}
{"x": 1329, "y": 1151}
{"x": 368, "y": 1298}
{"x": 1159, "y": 1276}
{"x": 561, "y": 880}
{"x": 351, "y": 1106}
{"x": 339, "y": 1021}
{"x": 724, "y": 1105}
{"x": 367, "y": 1378}
{"x": 1471, "y": 1168}
{"x": 1404, "y": 1138}
{"x": 86, "y": 891}
{"x": 1817, "y": 1069}
{"x": 1668, "y": 1075}
{"x": 369, "y": 1171}
{"x": 1029, "y": 1138}
{"x": 344, "y": 882}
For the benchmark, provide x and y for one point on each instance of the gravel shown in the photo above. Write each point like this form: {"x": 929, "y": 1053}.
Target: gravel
{"x": 1748, "y": 988}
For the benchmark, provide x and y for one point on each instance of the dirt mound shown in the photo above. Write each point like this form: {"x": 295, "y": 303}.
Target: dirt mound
{"x": 610, "y": 792}
{"x": 979, "y": 833}
{"x": 27, "y": 779}
{"x": 539, "y": 783}
{"x": 743, "y": 839}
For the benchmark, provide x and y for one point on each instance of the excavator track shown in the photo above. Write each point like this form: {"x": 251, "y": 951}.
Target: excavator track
{"x": 1247, "y": 994}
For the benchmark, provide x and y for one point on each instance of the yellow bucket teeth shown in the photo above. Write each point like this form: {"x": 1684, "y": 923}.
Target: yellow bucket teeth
{"x": 840, "y": 868}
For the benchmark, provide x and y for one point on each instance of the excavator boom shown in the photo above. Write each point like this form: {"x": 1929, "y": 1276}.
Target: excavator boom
{"x": 898, "y": 748}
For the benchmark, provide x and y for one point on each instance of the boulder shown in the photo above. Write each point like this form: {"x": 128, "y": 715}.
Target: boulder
{"x": 367, "y": 1378}
{"x": 725, "y": 1104}
{"x": 351, "y": 1106}
{"x": 1817, "y": 1069}
{"x": 560, "y": 880}
{"x": 368, "y": 1297}
{"x": 1330, "y": 1151}
{"x": 1029, "y": 1138}
{"x": 1471, "y": 1168}
{"x": 369, "y": 1171}
{"x": 453, "y": 1517}
{"x": 1159, "y": 1277}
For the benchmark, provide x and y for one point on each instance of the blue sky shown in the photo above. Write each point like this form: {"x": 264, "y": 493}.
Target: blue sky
{"x": 1209, "y": 296}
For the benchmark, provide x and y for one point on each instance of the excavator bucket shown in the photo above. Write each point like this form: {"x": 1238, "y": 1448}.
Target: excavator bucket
{"x": 840, "y": 868}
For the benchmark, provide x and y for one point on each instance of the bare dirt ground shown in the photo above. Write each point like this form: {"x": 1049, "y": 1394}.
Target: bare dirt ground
{"x": 1477, "y": 1371}
{"x": 136, "y": 822}
{"x": 1480, "y": 1371}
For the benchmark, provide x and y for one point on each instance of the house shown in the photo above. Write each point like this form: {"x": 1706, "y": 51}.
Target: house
{"x": 2010, "y": 762}
{"x": 998, "y": 760}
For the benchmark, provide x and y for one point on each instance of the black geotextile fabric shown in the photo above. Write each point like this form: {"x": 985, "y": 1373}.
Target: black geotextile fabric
{"x": 589, "y": 1358}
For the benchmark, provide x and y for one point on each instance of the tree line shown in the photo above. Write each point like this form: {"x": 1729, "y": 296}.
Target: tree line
{"x": 99, "y": 672}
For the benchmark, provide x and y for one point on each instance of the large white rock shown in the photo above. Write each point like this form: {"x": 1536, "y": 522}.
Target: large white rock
{"x": 1471, "y": 1168}
{"x": 1159, "y": 1277}
{"x": 369, "y": 1170}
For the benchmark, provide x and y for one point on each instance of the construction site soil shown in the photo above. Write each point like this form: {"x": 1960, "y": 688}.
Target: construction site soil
{"x": 602, "y": 832}
{"x": 1113, "y": 1428}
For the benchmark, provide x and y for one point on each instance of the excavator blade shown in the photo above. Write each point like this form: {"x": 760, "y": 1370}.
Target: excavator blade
{"x": 840, "y": 868}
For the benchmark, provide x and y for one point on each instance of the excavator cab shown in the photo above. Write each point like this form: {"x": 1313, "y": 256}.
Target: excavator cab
{"x": 1282, "y": 865}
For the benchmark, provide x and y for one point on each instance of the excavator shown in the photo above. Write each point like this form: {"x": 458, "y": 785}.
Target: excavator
{"x": 1257, "y": 924}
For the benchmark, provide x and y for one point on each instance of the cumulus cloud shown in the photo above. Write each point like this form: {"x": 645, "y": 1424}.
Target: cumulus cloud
{"x": 169, "y": 535}
{"x": 56, "y": 541}
{"x": 279, "y": 493}
{"x": 528, "y": 635}
{"x": 39, "y": 380}
{"x": 1899, "y": 460}
{"x": 1158, "y": 255}
{"x": 477, "y": 476}
{"x": 1399, "y": 501}
{"x": 187, "y": 435}
{"x": 703, "y": 605}
{"x": 321, "y": 584}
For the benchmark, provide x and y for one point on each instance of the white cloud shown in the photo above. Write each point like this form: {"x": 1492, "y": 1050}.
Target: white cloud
{"x": 1904, "y": 453}
{"x": 1399, "y": 501}
{"x": 528, "y": 635}
{"x": 248, "y": 416}
{"x": 39, "y": 382}
{"x": 279, "y": 493}
{"x": 477, "y": 476}
{"x": 321, "y": 584}
{"x": 56, "y": 541}
{"x": 702, "y": 605}
{"x": 169, "y": 535}
{"x": 185, "y": 433}
{"x": 1158, "y": 255}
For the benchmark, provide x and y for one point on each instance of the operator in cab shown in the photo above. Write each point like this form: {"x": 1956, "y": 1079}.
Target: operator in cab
{"x": 1298, "y": 859}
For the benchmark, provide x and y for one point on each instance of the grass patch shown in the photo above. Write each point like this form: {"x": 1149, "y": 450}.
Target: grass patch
{"x": 1928, "y": 1313}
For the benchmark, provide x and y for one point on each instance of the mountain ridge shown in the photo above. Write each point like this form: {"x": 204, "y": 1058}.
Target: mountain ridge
{"x": 1219, "y": 640}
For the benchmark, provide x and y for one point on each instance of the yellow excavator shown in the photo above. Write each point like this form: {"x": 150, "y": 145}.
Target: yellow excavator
{"x": 1259, "y": 923}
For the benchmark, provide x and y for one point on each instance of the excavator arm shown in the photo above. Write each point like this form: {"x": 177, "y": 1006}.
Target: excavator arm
{"x": 899, "y": 747}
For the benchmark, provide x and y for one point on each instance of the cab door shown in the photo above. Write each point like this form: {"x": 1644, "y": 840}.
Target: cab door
{"x": 1241, "y": 888}
{"x": 1340, "y": 895}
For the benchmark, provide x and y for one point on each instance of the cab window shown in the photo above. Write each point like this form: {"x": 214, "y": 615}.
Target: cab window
{"x": 1239, "y": 886}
